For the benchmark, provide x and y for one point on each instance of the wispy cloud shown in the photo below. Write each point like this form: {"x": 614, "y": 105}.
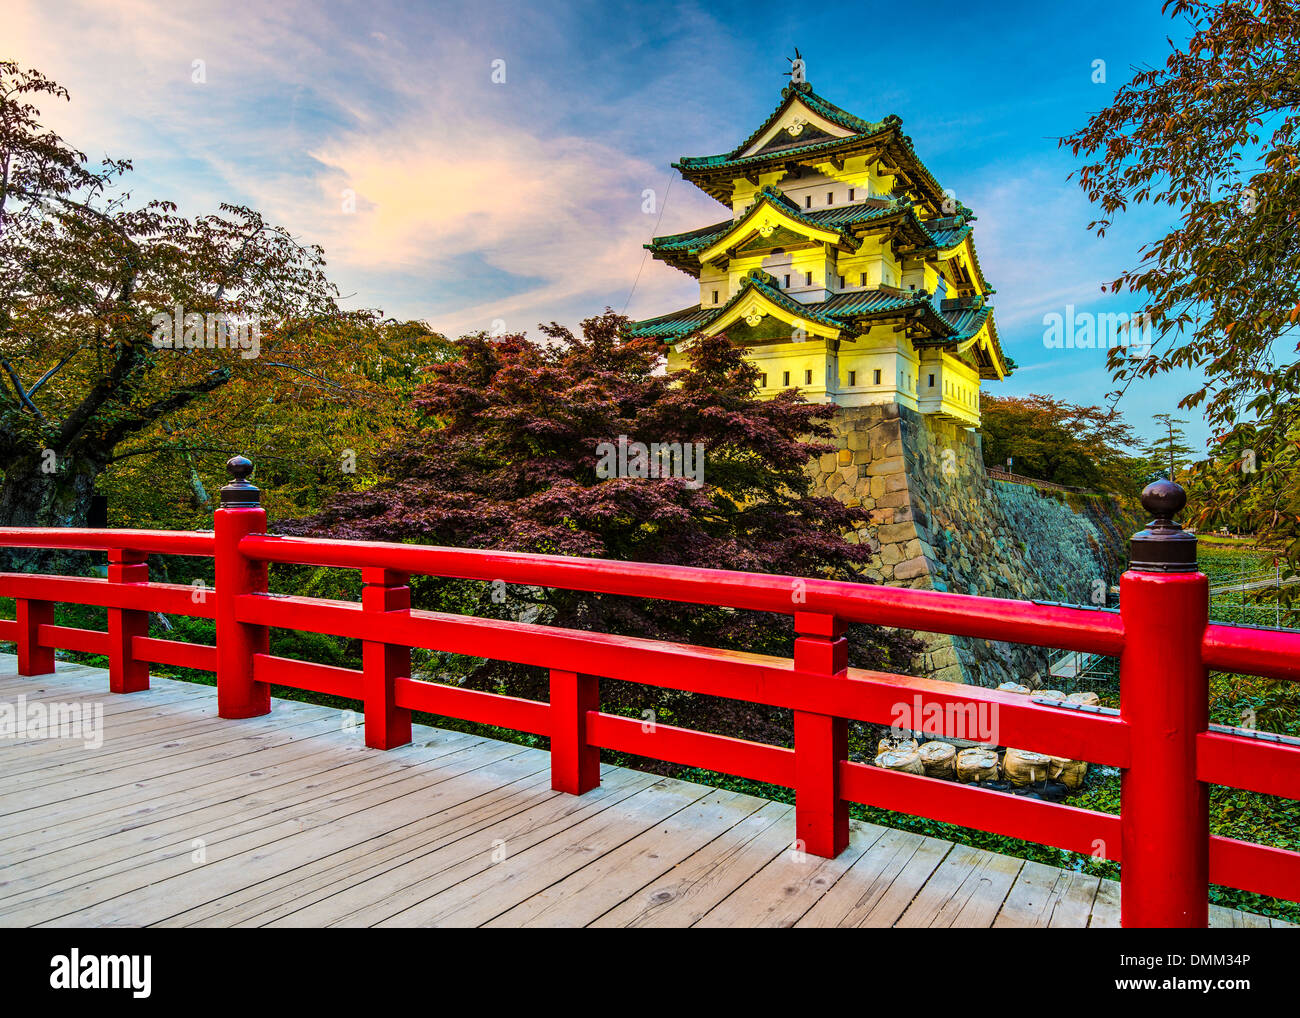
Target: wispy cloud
{"x": 523, "y": 201}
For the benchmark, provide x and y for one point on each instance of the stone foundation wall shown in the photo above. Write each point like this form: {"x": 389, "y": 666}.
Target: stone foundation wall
{"x": 938, "y": 522}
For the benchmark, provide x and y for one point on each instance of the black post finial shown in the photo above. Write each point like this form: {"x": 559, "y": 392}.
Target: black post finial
{"x": 240, "y": 493}
{"x": 1164, "y": 546}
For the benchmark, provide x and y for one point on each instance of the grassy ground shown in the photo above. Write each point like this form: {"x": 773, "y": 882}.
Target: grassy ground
{"x": 1273, "y": 706}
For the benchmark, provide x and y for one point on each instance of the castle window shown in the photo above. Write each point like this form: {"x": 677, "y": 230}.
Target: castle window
{"x": 715, "y": 296}
{"x": 807, "y": 279}
{"x": 853, "y": 378}
{"x": 762, "y": 380}
{"x": 785, "y": 378}
{"x": 787, "y": 281}
{"x": 862, "y": 279}
{"x": 807, "y": 378}
{"x": 830, "y": 197}
{"x": 841, "y": 282}
{"x": 932, "y": 381}
{"x": 851, "y": 194}
{"x": 877, "y": 382}
{"x": 807, "y": 201}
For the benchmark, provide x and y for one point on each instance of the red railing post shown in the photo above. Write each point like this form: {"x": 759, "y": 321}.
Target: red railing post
{"x": 575, "y": 764}
{"x": 1164, "y": 698}
{"x": 125, "y": 673}
{"x": 387, "y": 725}
{"x": 33, "y": 659}
{"x": 820, "y": 741}
{"x": 240, "y": 513}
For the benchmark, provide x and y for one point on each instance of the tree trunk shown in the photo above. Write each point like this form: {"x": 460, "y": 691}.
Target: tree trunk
{"x": 45, "y": 490}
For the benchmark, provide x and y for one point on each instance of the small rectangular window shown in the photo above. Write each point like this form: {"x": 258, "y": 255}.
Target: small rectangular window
{"x": 853, "y": 378}
{"x": 807, "y": 279}
{"x": 762, "y": 380}
{"x": 851, "y": 190}
{"x": 807, "y": 201}
{"x": 932, "y": 381}
{"x": 807, "y": 378}
{"x": 841, "y": 282}
{"x": 877, "y": 380}
{"x": 715, "y": 296}
{"x": 785, "y": 378}
{"x": 862, "y": 279}
{"x": 787, "y": 281}
{"x": 830, "y": 197}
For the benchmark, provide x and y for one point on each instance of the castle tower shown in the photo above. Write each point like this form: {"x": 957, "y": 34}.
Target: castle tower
{"x": 844, "y": 269}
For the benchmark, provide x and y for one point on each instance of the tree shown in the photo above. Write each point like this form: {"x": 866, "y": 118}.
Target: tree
{"x": 309, "y": 436}
{"x": 1249, "y": 481}
{"x": 117, "y": 316}
{"x": 510, "y": 457}
{"x": 1169, "y": 451}
{"x": 1212, "y": 135}
{"x": 1052, "y": 440}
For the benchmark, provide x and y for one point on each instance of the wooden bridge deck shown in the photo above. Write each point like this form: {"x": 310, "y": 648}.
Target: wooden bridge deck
{"x": 183, "y": 819}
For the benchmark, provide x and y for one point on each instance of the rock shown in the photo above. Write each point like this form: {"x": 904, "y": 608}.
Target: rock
{"x": 911, "y": 568}
{"x": 1088, "y": 698}
{"x": 1013, "y": 687}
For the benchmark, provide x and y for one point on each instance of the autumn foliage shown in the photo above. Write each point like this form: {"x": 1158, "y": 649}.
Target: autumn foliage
{"x": 506, "y": 458}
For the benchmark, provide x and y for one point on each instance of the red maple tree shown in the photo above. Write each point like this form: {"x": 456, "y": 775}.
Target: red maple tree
{"x": 507, "y": 458}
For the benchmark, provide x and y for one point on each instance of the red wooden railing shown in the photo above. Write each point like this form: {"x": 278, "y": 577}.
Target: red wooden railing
{"x": 1160, "y": 735}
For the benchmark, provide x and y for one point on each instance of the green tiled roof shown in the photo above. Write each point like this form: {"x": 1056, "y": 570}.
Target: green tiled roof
{"x": 942, "y": 233}
{"x": 676, "y": 325}
{"x": 694, "y": 240}
{"x": 729, "y": 161}
{"x": 949, "y": 231}
{"x": 872, "y": 302}
{"x": 966, "y": 322}
{"x": 841, "y": 311}
{"x": 692, "y": 166}
{"x": 802, "y": 92}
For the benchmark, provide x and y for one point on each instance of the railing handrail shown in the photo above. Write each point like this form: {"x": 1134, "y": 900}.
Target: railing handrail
{"x": 932, "y": 611}
{"x": 154, "y": 542}
{"x": 1160, "y": 735}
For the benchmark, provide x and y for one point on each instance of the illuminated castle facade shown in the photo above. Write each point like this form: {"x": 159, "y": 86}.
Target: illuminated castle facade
{"x": 844, "y": 269}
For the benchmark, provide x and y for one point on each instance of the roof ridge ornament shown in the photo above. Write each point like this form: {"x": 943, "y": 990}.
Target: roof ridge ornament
{"x": 798, "y": 72}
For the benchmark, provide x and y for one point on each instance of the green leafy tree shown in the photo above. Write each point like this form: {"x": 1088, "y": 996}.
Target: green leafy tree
{"x": 119, "y": 317}
{"x": 1211, "y": 135}
{"x": 1050, "y": 439}
{"x": 1168, "y": 451}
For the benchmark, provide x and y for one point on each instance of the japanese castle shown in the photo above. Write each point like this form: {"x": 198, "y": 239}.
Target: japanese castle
{"x": 844, "y": 268}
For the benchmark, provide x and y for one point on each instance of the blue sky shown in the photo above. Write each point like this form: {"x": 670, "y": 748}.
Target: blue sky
{"x": 376, "y": 130}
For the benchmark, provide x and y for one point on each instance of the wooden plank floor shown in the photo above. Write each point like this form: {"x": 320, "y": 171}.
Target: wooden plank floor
{"x": 182, "y": 819}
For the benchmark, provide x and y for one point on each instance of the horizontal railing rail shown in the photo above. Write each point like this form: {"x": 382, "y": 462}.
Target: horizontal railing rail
{"x": 1160, "y": 736}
